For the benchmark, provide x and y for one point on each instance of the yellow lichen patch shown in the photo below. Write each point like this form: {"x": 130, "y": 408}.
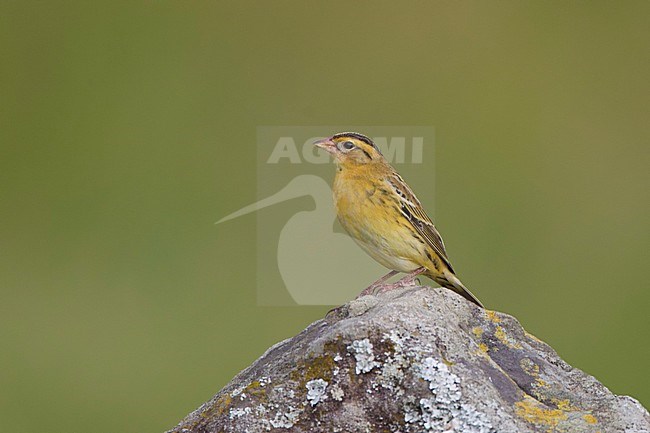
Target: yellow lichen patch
{"x": 478, "y": 331}
{"x": 255, "y": 389}
{"x": 483, "y": 349}
{"x": 540, "y": 388}
{"x": 532, "y": 337}
{"x": 492, "y": 316}
{"x": 564, "y": 404}
{"x": 529, "y": 366}
{"x": 501, "y": 335}
{"x": 541, "y": 383}
{"x": 219, "y": 408}
{"x": 590, "y": 418}
{"x": 533, "y": 412}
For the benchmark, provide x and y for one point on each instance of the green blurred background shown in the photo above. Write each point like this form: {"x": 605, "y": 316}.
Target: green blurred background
{"x": 128, "y": 128}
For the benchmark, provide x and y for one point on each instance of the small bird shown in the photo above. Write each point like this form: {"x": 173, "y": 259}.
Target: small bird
{"x": 381, "y": 213}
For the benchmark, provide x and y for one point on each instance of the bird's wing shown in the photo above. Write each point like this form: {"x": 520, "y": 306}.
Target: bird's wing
{"x": 412, "y": 209}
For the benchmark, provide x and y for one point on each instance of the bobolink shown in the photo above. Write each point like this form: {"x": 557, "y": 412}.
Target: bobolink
{"x": 381, "y": 213}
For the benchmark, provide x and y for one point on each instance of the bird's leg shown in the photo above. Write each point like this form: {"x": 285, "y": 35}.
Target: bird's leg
{"x": 370, "y": 290}
{"x": 407, "y": 281}
{"x": 411, "y": 277}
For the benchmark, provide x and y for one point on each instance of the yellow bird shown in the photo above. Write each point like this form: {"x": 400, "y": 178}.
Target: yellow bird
{"x": 381, "y": 213}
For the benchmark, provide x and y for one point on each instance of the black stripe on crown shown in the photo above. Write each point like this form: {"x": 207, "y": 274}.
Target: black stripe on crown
{"x": 357, "y": 136}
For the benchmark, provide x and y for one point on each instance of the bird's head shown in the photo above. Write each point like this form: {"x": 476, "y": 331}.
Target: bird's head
{"x": 351, "y": 148}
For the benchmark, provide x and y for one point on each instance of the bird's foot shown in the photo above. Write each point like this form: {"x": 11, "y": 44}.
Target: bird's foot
{"x": 401, "y": 284}
{"x": 380, "y": 286}
{"x": 372, "y": 289}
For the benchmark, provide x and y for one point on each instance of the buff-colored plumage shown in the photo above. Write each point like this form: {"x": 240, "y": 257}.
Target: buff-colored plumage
{"x": 381, "y": 213}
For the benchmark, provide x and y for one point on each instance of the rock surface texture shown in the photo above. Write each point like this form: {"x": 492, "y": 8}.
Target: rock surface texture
{"x": 416, "y": 360}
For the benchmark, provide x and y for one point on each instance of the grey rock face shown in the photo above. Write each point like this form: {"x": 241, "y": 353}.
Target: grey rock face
{"x": 415, "y": 360}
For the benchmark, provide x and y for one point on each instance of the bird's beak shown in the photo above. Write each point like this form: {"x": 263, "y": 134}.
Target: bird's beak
{"x": 327, "y": 144}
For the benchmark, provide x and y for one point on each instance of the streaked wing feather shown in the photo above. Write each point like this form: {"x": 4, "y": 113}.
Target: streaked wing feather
{"x": 412, "y": 209}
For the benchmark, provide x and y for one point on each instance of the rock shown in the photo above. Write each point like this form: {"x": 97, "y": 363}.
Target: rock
{"x": 415, "y": 360}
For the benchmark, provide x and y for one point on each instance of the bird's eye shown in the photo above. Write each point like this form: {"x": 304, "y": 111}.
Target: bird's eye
{"x": 346, "y": 145}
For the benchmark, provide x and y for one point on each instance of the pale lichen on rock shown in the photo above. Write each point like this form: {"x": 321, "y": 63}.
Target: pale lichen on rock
{"x": 337, "y": 393}
{"x": 364, "y": 355}
{"x": 285, "y": 419}
{"x": 316, "y": 391}
{"x": 413, "y": 361}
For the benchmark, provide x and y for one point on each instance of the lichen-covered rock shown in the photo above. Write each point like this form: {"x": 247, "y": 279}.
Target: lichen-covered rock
{"x": 415, "y": 360}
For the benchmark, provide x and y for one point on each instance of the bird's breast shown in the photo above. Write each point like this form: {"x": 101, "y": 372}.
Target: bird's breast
{"x": 370, "y": 215}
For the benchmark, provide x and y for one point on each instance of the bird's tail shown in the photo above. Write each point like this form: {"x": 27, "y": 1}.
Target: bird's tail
{"x": 452, "y": 282}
